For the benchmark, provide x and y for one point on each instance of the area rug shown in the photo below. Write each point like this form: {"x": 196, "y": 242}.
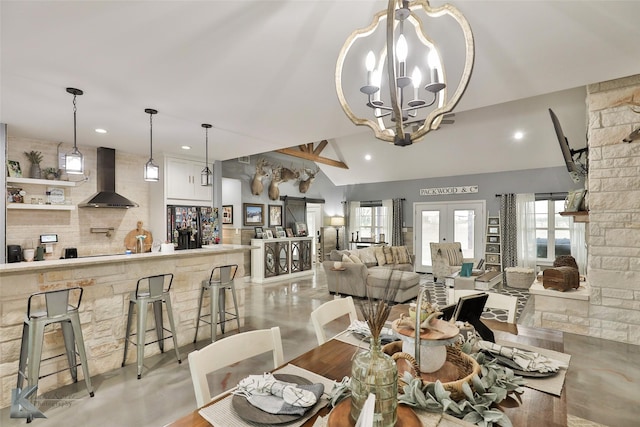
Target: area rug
{"x": 438, "y": 294}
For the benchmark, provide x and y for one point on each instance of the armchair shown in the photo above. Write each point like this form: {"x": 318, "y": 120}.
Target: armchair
{"x": 446, "y": 259}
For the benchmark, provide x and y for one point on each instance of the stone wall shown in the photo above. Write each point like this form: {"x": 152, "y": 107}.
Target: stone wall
{"x": 614, "y": 204}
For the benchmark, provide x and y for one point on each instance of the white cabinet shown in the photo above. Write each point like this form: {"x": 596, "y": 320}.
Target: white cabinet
{"x": 182, "y": 179}
{"x": 277, "y": 259}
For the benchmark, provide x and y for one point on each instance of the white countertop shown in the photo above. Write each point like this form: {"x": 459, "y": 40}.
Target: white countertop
{"x": 105, "y": 259}
{"x": 582, "y": 293}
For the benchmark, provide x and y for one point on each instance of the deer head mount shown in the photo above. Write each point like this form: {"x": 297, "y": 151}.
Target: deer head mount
{"x": 309, "y": 176}
{"x": 261, "y": 172}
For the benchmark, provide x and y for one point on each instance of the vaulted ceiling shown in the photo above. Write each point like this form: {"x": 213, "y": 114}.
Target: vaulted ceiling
{"x": 262, "y": 72}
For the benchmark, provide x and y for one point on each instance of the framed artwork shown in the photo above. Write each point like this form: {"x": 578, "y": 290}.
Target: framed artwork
{"x": 289, "y": 232}
{"x": 227, "y": 214}
{"x": 268, "y": 234}
{"x": 493, "y": 221}
{"x": 574, "y": 200}
{"x": 258, "y": 232}
{"x": 493, "y": 248}
{"x": 280, "y": 234}
{"x": 301, "y": 229}
{"x": 494, "y": 239}
{"x": 494, "y": 230}
{"x": 275, "y": 215}
{"x": 493, "y": 259}
{"x": 253, "y": 214}
{"x": 278, "y": 228}
{"x": 13, "y": 168}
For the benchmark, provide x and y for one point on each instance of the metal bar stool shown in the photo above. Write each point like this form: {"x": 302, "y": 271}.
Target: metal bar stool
{"x": 221, "y": 279}
{"x": 150, "y": 290}
{"x": 55, "y": 308}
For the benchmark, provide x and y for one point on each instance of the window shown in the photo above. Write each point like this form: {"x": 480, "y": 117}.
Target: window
{"x": 552, "y": 230}
{"x": 372, "y": 222}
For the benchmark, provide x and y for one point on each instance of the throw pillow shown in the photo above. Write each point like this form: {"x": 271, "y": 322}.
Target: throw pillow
{"x": 401, "y": 254}
{"x": 336, "y": 255}
{"x": 388, "y": 255}
{"x": 380, "y": 257}
{"x": 454, "y": 256}
{"x": 355, "y": 259}
{"x": 346, "y": 259}
{"x": 368, "y": 256}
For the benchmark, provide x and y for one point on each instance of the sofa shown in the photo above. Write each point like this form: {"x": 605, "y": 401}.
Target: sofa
{"x": 366, "y": 272}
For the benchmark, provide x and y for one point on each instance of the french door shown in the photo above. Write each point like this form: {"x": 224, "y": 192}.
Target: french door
{"x": 448, "y": 222}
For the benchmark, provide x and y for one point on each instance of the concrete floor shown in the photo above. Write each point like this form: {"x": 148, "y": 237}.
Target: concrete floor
{"x": 603, "y": 382}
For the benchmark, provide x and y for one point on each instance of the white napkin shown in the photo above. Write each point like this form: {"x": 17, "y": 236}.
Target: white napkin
{"x": 365, "y": 419}
{"x": 529, "y": 361}
{"x": 278, "y": 397}
{"x": 362, "y": 328}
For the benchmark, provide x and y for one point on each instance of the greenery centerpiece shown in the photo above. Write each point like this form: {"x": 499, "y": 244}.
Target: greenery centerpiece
{"x": 35, "y": 157}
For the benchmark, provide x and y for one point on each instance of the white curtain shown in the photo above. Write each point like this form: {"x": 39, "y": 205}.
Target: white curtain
{"x": 525, "y": 210}
{"x": 354, "y": 219}
{"x": 578, "y": 245}
{"x": 388, "y": 219}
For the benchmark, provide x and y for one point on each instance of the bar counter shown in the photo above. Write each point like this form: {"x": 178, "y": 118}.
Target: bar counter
{"x": 107, "y": 282}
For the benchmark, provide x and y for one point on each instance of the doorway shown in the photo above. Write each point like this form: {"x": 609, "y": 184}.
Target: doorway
{"x": 448, "y": 222}
{"x": 314, "y": 223}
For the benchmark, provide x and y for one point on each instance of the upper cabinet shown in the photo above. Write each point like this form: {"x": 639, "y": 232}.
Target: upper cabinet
{"x": 182, "y": 178}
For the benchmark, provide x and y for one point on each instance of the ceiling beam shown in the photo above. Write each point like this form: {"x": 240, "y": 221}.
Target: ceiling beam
{"x": 307, "y": 152}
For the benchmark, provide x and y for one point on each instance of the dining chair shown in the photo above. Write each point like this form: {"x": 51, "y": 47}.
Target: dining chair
{"x": 329, "y": 311}
{"x": 228, "y": 351}
{"x": 495, "y": 300}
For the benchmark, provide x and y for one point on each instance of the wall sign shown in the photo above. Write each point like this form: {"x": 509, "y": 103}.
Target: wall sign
{"x": 443, "y": 191}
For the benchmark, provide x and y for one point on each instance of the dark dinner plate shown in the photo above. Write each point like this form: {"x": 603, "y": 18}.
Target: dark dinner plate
{"x": 248, "y": 412}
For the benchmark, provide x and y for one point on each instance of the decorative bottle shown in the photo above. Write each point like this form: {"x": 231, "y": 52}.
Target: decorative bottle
{"x": 375, "y": 372}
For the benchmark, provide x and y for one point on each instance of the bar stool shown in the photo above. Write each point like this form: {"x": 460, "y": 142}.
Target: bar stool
{"x": 57, "y": 309}
{"x": 150, "y": 290}
{"x": 216, "y": 287}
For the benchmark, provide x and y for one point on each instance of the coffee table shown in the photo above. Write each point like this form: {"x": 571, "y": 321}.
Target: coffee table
{"x": 482, "y": 282}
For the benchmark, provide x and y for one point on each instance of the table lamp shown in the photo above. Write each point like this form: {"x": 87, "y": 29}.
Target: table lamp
{"x": 337, "y": 221}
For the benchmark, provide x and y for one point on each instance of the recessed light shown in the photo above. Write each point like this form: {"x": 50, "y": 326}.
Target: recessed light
{"x": 367, "y": 157}
{"x": 186, "y": 147}
{"x": 518, "y": 135}
{"x": 101, "y": 130}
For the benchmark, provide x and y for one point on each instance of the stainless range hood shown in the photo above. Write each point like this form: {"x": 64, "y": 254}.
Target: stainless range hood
{"x": 106, "y": 197}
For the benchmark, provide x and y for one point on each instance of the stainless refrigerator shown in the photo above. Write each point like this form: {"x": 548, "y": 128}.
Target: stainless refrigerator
{"x": 190, "y": 227}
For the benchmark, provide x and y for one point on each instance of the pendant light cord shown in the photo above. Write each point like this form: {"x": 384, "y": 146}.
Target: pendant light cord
{"x": 75, "y": 147}
{"x": 151, "y": 136}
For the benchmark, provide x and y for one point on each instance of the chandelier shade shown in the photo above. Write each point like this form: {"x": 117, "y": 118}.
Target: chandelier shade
{"x": 74, "y": 161}
{"x": 206, "y": 174}
{"x": 381, "y": 69}
{"x": 151, "y": 170}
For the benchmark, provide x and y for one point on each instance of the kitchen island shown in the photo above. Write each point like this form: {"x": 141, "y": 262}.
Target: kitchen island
{"x": 107, "y": 282}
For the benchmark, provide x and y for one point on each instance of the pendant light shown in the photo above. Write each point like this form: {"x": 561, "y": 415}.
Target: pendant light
{"x": 74, "y": 162}
{"x": 151, "y": 170}
{"x": 205, "y": 175}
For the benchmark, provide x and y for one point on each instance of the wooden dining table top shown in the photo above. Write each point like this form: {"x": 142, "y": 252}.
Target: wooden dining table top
{"x": 532, "y": 408}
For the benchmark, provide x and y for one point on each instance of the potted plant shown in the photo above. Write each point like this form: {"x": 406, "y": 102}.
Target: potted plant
{"x": 51, "y": 173}
{"x": 35, "y": 157}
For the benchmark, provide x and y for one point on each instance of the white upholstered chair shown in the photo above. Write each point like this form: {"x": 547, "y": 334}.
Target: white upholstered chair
{"x": 446, "y": 259}
{"x": 495, "y": 300}
{"x": 329, "y": 311}
{"x": 230, "y": 350}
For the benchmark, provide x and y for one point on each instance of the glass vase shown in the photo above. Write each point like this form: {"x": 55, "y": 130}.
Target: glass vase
{"x": 375, "y": 372}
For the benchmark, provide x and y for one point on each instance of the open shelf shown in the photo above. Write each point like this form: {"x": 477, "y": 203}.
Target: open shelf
{"x": 51, "y": 182}
{"x": 28, "y": 206}
{"x": 579, "y": 216}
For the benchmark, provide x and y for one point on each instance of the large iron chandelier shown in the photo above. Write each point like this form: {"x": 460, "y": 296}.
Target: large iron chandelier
{"x": 401, "y": 115}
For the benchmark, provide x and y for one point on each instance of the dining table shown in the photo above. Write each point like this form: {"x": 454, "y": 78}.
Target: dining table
{"x": 532, "y": 408}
